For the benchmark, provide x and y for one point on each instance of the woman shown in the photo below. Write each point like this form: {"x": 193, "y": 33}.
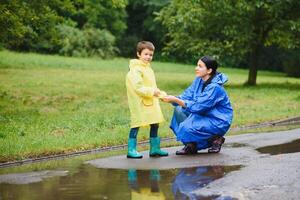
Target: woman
{"x": 203, "y": 113}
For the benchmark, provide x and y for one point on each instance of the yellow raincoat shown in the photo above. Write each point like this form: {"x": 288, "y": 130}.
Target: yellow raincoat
{"x": 146, "y": 194}
{"x": 140, "y": 83}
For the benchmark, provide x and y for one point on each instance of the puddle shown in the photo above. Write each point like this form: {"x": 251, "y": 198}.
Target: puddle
{"x": 88, "y": 182}
{"x": 235, "y": 145}
{"x": 291, "y": 147}
{"x": 189, "y": 180}
{"x": 30, "y": 177}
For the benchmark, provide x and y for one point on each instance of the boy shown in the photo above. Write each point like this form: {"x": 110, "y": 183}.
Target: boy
{"x": 143, "y": 102}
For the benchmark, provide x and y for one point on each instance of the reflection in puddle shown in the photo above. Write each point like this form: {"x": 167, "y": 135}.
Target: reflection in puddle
{"x": 188, "y": 180}
{"x": 183, "y": 185}
{"x": 89, "y": 182}
{"x": 291, "y": 147}
{"x": 151, "y": 191}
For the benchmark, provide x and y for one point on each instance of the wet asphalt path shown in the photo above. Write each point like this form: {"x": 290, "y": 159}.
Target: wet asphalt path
{"x": 263, "y": 176}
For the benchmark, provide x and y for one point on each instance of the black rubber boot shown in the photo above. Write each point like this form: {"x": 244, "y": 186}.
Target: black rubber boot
{"x": 188, "y": 149}
{"x": 216, "y": 144}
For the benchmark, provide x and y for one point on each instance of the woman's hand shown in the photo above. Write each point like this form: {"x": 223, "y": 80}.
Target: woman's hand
{"x": 169, "y": 99}
{"x": 173, "y": 99}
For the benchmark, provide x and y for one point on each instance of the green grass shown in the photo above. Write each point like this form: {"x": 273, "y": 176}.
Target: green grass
{"x": 53, "y": 104}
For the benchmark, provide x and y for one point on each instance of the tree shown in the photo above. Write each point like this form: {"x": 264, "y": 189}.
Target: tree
{"x": 101, "y": 14}
{"x": 141, "y": 25}
{"x": 30, "y": 25}
{"x": 235, "y": 28}
{"x": 35, "y": 25}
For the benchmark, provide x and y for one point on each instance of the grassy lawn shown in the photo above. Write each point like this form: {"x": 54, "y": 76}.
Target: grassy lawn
{"x": 53, "y": 104}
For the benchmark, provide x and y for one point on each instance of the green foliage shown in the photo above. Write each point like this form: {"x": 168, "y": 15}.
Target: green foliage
{"x": 32, "y": 26}
{"x": 141, "y": 25}
{"x": 228, "y": 27}
{"x": 235, "y": 29}
{"x": 101, "y": 14}
{"x": 119, "y": 3}
{"x": 29, "y": 25}
{"x": 73, "y": 41}
{"x": 87, "y": 42}
{"x": 100, "y": 42}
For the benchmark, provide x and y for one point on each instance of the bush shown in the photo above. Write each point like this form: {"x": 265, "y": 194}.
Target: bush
{"x": 100, "y": 43}
{"x": 86, "y": 42}
{"x": 72, "y": 41}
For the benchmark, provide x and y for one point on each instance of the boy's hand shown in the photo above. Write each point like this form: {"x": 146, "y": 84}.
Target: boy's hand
{"x": 156, "y": 92}
{"x": 162, "y": 94}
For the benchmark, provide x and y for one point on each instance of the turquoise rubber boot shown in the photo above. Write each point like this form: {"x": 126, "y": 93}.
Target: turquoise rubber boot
{"x": 132, "y": 176}
{"x": 155, "y": 148}
{"x": 154, "y": 175}
{"x": 132, "y": 153}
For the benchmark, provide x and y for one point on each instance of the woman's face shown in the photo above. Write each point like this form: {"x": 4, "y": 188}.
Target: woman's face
{"x": 201, "y": 70}
{"x": 146, "y": 55}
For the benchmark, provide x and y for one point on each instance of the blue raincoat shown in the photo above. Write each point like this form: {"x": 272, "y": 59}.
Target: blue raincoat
{"x": 189, "y": 180}
{"x": 207, "y": 112}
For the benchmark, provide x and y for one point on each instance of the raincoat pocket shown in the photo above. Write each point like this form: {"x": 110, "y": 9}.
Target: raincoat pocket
{"x": 147, "y": 101}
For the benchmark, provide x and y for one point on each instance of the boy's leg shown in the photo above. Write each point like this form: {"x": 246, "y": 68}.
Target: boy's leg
{"x": 153, "y": 130}
{"x": 133, "y": 132}
{"x": 155, "y": 142}
{"x": 132, "y": 153}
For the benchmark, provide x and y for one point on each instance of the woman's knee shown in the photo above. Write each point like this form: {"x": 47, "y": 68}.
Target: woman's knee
{"x": 178, "y": 110}
{"x": 179, "y": 114}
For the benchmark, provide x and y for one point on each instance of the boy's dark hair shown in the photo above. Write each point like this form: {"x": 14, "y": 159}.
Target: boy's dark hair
{"x": 210, "y": 63}
{"x": 144, "y": 45}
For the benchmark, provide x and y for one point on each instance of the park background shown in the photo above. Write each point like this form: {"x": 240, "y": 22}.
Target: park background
{"x": 63, "y": 65}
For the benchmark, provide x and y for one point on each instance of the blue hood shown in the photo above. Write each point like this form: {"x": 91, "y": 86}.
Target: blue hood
{"x": 219, "y": 78}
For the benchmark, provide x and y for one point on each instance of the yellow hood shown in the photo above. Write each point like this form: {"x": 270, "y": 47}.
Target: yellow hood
{"x": 137, "y": 63}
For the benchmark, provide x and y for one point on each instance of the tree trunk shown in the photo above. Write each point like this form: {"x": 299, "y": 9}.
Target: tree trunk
{"x": 253, "y": 66}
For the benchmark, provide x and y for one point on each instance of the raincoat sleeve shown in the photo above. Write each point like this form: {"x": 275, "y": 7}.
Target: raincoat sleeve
{"x": 211, "y": 95}
{"x": 138, "y": 85}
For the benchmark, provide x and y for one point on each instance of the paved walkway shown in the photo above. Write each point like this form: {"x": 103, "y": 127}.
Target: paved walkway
{"x": 262, "y": 176}
{"x": 236, "y": 150}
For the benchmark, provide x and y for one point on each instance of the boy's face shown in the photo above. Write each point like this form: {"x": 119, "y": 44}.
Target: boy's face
{"x": 146, "y": 55}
